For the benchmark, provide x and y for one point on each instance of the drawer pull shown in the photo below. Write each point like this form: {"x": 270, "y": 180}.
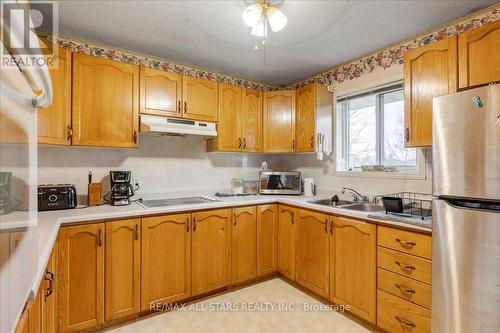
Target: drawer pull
{"x": 405, "y": 244}
{"x": 404, "y": 322}
{"x": 404, "y": 290}
{"x": 405, "y": 267}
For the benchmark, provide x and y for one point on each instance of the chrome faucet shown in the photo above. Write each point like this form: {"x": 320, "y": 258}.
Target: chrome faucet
{"x": 355, "y": 194}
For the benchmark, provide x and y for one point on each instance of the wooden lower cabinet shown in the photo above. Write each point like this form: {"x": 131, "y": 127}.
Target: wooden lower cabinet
{"x": 312, "y": 259}
{"x": 353, "y": 266}
{"x": 244, "y": 245}
{"x": 286, "y": 241}
{"x": 122, "y": 268}
{"x": 210, "y": 250}
{"x": 166, "y": 266}
{"x": 81, "y": 277}
{"x": 267, "y": 239}
{"x": 49, "y": 299}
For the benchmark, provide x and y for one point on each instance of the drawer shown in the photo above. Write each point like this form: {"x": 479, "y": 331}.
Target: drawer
{"x": 408, "y": 289}
{"x": 405, "y": 241}
{"x": 414, "y": 267}
{"x": 397, "y": 315}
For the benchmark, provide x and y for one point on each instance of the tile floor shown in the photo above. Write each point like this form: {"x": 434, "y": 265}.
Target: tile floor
{"x": 272, "y": 293}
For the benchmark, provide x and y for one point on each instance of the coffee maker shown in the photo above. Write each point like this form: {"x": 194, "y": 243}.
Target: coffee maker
{"x": 121, "y": 189}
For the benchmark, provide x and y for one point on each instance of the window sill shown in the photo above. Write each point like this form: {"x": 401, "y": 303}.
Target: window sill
{"x": 418, "y": 175}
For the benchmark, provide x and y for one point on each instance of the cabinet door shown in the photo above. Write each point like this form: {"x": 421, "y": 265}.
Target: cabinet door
{"x": 166, "y": 247}
{"x": 229, "y": 124}
{"x": 429, "y": 71}
{"x": 251, "y": 120}
{"x": 353, "y": 266}
{"x": 160, "y": 92}
{"x": 286, "y": 241}
{"x": 312, "y": 257}
{"x": 105, "y": 102}
{"x": 267, "y": 239}
{"x": 279, "y": 121}
{"x": 81, "y": 277}
{"x": 122, "y": 268}
{"x": 35, "y": 313}
{"x": 49, "y": 302}
{"x": 479, "y": 55}
{"x": 54, "y": 122}
{"x": 244, "y": 244}
{"x": 211, "y": 250}
{"x": 200, "y": 99}
{"x": 305, "y": 118}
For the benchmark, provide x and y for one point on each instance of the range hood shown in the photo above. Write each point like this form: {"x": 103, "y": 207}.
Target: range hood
{"x": 164, "y": 126}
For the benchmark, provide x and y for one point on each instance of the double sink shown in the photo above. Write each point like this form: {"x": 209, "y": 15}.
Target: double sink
{"x": 350, "y": 205}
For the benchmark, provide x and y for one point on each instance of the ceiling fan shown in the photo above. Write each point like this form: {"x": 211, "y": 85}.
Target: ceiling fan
{"x": 261, "y": 14}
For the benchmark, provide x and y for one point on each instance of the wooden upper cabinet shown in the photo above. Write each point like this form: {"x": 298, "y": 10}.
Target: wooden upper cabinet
{"x": 199, "y": 99}
{"x": 312, "y": 259}
{"x": 160, "y": 92}
{"x": 229, "y": 119}
{"x": 353, "y": 266}
{"x": 81, "y": 277}
{"x": 122, "y": 268}
{"x": 244, "y": 244}
{"x": 429, "y": 71}
{"x": 267, "y": 239}
{"x": 105, "y": 102}
{"x": 305, "y": 118}
{"x": 286, "y": 241}
{"x": 166, "y": 255}
{"x": 54, "y": 122}
{"x": 251, "y": 120}
{"x": 210, "y": 250}
{"x": 279, "y": 121}
{"x": 479, "y": 55}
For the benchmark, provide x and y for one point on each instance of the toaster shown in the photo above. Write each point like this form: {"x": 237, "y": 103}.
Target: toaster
{"x": 56, "y": 197}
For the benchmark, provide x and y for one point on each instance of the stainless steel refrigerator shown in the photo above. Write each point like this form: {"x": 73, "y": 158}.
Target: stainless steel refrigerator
{"x": 466, "y": 212}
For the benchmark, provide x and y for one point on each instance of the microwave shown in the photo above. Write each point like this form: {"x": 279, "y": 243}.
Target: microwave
{"x": 280, "y": 182}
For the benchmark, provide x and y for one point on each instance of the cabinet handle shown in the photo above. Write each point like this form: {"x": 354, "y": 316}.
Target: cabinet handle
{"x": 69, "y": 133}
{"x": 404, "y": 290}
{"x": 331, "y": 227}
{"x": 244, "y": 143}
{"x": 99, "y": 236}
{"x": 404, "y": 322}
{"x": 187, "y": 224}
{"x": 405, "y": 244}
{"x": 137, "y": 232}
{"x": 404, "y": 266}
{"x": 326, "y": 226}
{"x": 234, "y": 219}
{"x": 407, "y": 134}
{"x": 49, "y": 276}
{"x": 293, "y": 217}
{"x": 135, "y": 136}
{"x": 239, "y": 145}
{"x": 179, "y": 106}
{"x": 293, "y": 144}
{"x": 194, "y": 224}
{"x": 312, "y": 141}
{"x": 185, "y": 107}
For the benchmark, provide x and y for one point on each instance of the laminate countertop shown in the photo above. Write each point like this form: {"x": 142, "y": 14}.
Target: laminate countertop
{"x": 49, "y": 223}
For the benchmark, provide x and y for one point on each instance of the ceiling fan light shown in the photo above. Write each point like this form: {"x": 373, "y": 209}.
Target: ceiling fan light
{"x": 252, "y": 14}
{"x": 260, "y": 29}
{"x": 277, "y": 20}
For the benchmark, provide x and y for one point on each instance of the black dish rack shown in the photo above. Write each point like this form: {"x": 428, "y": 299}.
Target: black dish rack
{"x": 408, "y": 203}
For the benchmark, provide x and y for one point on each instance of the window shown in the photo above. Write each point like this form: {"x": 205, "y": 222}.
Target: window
{"x": 370, "y": 131}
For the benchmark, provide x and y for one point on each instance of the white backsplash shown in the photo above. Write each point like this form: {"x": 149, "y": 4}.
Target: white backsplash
{"x": 181, "y": 164}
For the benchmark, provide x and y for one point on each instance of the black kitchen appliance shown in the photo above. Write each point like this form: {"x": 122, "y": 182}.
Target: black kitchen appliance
{"x": 121, "y": 188}
{"x": 56, "y": 197}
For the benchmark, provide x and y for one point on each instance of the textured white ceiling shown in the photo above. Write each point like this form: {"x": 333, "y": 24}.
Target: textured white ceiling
{"x": 211, "y": 34}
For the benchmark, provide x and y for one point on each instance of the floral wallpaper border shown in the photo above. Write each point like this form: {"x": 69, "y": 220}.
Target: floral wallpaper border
{"x": 382, "y": 59}
{"x": 84, "y": 47}
{"x": 394, "y": 54}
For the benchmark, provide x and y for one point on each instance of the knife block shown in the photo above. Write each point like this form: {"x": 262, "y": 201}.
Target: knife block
{"x": 94, "y": 194}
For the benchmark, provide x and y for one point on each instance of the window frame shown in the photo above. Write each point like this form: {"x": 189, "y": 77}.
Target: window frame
{"x": 344, "y": 164}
